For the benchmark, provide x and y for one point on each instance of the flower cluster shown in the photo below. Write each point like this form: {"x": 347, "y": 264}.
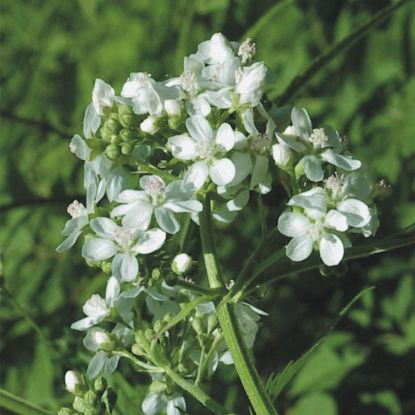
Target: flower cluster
{"x": 151, "y": 155}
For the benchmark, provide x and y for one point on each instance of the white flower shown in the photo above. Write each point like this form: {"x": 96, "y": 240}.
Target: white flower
{"x": 73, "y": 227}
{"x": 103, "y": 361}
{"x": 123, "y": 244}
{"x": 96, "y": 308}
{"x": 73, "y": 380}
{"x": 181, "y": 263}
{"x": 147, "y": 95}
{"x": 317, "y": 145}
{"x": 315, "y": 227}
{"x": 102, "y": 96}
{"x": 207, "y": 149}
{"x": 215, "y": 51}
{"x": 250, "y": 82}
{"x": 164, "y": 201}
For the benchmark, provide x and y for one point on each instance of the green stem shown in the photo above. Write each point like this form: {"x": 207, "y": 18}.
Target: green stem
{"x": 242, "y": 358}
{"x": 322, "y": 60}
{"x": 202, "y": 368}
{"x": 20, "y": 406}
{"x": 196, "y": 392}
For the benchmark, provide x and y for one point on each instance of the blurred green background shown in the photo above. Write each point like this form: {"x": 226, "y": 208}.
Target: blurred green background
{"x": 51, "y": 53}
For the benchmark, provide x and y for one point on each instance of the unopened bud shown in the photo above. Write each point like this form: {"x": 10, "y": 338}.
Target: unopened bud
{"x": 102, "y": 339}
{"x": 127, "y": 148}
{"x": 128, "y": 135}
{"x": 65, "y": 411}
{"x": 282, "y": 155}
{"x": 112, "y": 151}
{"x": 212, "y": 322}
{"x": 79, "y": 404}
{"x": 197, "y": 325}
{"x": 73, "y": 381}
{"x": 181, "y": 263}
{"x": 172, "y": 107}
{"x": 149, "y": 126}
{"x": 90, "y": 397}
{"x": 100, "y": 384}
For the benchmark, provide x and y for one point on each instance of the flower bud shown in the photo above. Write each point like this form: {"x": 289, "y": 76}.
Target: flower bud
{"x": 73, "y": 381}
{"x": 112, "y": 151}
{"x": 79, "y": 404}
{"x": 100, "y": 384}
{"x": 102, "y": 339}
{"x": 197, "y": 325}
{"x": 172, "y": 107}
{"x": 181, "y": 263}
{"x": 128, "y": 135}
{"x": 282, "y": 155}
{"x": 149, "y": 126}
{"x": 90, "y": 398}
{"x": 212, "y": 322}
{"x": 127, "y": 148}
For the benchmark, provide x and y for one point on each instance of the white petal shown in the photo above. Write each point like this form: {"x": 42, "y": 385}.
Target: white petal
{"x": 196, "y": 176}
{"x": 336, "y": 220}
{"x": 301, "y": 121}
{"x": 124, "y": 267}
{"x": 111, "y": 364}
{"x": 344, "y": 162}
{"x": 140, "y": 217}
{"x": 112, "y": 291}
{"x": 293, "y": 224}
{"x": 166, "y": 220}
{"x": 84, "y": 323}
{"x": 79, "y": 147}
{"x": 182, "y": 147}
{"x": 98, "y": 249}
{"x": 104, "y": 227}
{"x": 176, "y": 406}
{"x": 222, "y": 171}
{"x": 314, "y": 201}
{"x": 199, "y": 129}
{"x": 312, "y": 168}
{"x": 69, "y": 242}
{"x": 129, "y": 196}
{"x": 239, "y": 202}
{"x": 153, "y": 404}
{"x": 331, "y": 249}
{"x": 225, "y": 137}
{"x": 150, "y": 241}
{"x": 116, "y": 183}
{"x": 184, "y": 206}
{"x": 92, "y": 121}
{"x": 299, "y": 248}
{"x": 357, "y": 212}
{"x": 292, "y": 142}
{"x": 96, "y": 365}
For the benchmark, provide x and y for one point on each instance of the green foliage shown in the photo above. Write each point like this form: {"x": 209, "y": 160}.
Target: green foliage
{"x": 55, "y": 50}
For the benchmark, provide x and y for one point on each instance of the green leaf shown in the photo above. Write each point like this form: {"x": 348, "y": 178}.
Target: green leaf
{"x": 315, "y": 404}
{"x": 20, "y": 406}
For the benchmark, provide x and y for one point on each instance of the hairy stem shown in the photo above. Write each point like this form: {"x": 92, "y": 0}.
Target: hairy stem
{"x": 242, "y": 358}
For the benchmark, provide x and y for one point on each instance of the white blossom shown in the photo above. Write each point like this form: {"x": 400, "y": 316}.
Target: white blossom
{"x": 123, "y": 244}
{"x": 138, "y": 206}
{"x": 207, "y": 149}
{"x": 102, "y": 96}
{"x": 73, "y": 380}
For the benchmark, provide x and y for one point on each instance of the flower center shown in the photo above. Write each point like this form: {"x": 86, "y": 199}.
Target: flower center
{"x": 260, "y": 143}
{"x": 95, "y": 305}
{"x": 318, "y": 137}
{"x": 334, "y": 183}
{"x": 188, "y": 81}
{"x": 156, "y": 189}
{"x": 123, "y": 237}
{"x": 247, "y": 50}
{"x": 204, "y": 150}
{"x": 141, "y": 78}
{"x": 315, "y": 230}
{"x": 76, "y": 209}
